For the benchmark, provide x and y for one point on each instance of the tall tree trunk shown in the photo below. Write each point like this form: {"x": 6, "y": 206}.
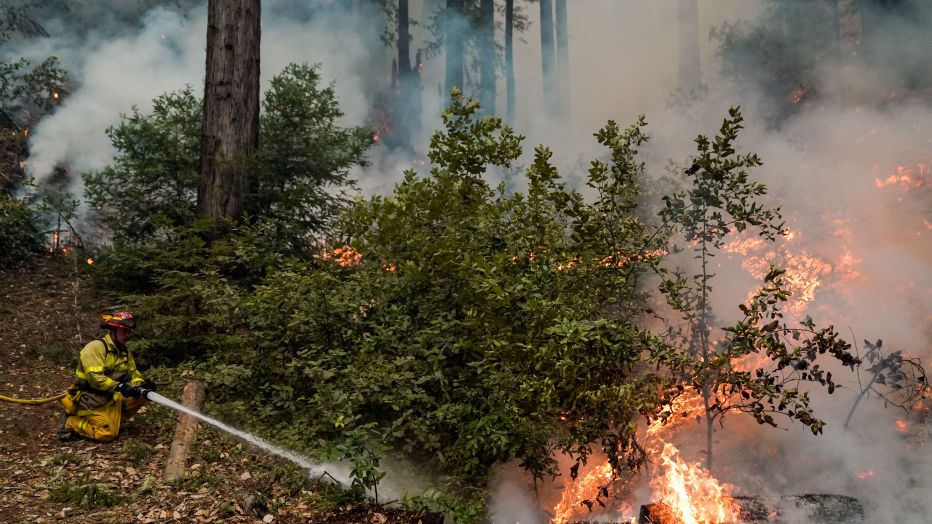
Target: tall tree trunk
{"x": 407, "y": 115}
{"x": 563, "y": 63}
{"x": 454, "y": 48}
{"x": 690, "y": 72}
{"x": 510, "y": 61}
{"x": 404, "y": 38}
{"x": 487, "y": 56}
{"x": 230, "y": 130}
{"x": 547, "y": 54}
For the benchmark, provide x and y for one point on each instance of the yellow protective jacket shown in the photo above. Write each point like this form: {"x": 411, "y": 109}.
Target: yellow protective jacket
{"x": 102, "y": 366}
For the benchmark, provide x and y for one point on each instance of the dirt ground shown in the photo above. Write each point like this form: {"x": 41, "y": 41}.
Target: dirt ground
{"x": 47, "y": 313}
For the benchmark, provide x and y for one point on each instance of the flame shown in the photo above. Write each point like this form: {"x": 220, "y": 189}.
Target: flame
{"x": 683, "y": 409}
{"x": 797, "y": 95}
{"x": 691, "y": 492}
{"x": 345, "y": 256}
{"x": 90, "y": 261}
{"x": 864, "y": 475}
{"x": 902, "y": 426}
{"x": 905, "y": 176}
{"x": 585, "y": 487}
{"x": 25, "y": 131}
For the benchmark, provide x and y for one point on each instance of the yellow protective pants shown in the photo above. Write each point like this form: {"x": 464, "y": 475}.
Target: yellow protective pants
{"x": 103, "y": 424}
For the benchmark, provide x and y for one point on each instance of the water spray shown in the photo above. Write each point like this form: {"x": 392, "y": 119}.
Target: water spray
{"x": 312, "y": 468}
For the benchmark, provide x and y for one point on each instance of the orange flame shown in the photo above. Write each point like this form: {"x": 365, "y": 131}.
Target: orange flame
{"x": 345, "y": 256}
{"x": 906, "y": 177}
{"x": 90, "y": 261}
{"x": 691, "y": 492}
{"x": 585, "y": 487}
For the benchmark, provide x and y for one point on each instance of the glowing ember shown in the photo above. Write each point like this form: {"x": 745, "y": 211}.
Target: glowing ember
{"x": 797, "y": 96}
{"x": 691, "y": 492}
{"x": 90, "y": 261}
{"x": 864, "y": 475}
{"x": 902, "y": 426}
{"x": 345, "y": 256}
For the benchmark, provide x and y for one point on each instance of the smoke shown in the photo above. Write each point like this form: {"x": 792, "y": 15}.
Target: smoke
{"x": 850, "y": 166}
{"x": 117, "y": 66}
{"x": 863, "y": 118}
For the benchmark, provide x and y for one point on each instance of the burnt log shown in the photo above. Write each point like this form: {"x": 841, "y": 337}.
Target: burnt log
{"x": 824, "y": 509}
{"x": 657, "y": 513}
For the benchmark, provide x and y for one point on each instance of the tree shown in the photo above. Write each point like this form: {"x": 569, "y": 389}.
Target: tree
{"x": 548, "y": 57}
{"x": 720, "y": 198}
{"x": 563, "y": 62}
{"x": 509, "y": 62}
{"x": 300, "y": 168}
{"x": 464, "y": 327}
{"x": 454, "y": 48}
{"x": 230, "y": 131}
{"x": 487, "y": 56}
{"x": 407, "y": 92}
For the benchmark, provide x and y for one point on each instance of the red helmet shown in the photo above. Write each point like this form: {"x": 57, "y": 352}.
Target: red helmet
{"x": 120, "y": 319}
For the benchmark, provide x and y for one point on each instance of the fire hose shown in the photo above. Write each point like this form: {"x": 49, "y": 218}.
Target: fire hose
{"x": 32, "y": 400}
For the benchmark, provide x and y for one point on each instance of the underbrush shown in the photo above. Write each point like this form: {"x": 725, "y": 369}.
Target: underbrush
{"x": 86, "y": 493}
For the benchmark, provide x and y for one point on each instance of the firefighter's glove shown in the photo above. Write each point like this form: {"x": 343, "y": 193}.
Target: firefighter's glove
{"x": 127, "y": 390}
{"x": 149, "y": 385}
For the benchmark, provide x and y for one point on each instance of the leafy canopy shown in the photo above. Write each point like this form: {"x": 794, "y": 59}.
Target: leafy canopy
{"x": 296, "y": 176}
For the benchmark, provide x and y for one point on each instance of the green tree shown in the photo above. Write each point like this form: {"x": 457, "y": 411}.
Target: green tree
{"x": 720, "y": 198}
{"x": 301, "y": 165}
{"x": 467, "y": 327}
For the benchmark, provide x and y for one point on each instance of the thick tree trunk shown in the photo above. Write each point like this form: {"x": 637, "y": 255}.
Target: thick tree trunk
{"x": 192, "y": 397}
{"x": 548, "y": 58}
{"x": 487, "y": 56}
{"x": 510, "y": 61}
{"x": 563, "y": 63}
{"x": 230, "y": 130}
{"x": 454, "y": 48}
{"x": 690, "y": 72}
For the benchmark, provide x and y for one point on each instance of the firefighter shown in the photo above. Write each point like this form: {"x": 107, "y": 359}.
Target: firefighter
{"x": 108, "y": 388}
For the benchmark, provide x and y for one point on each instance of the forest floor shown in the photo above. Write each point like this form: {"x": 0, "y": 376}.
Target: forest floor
{"x": 48, "y": 311}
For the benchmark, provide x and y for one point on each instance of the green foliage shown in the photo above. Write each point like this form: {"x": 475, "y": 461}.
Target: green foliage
{"x": 136, "y": 452}
{"x": 303, "y": 154}
{"x": 150, "y": 192}
{"x": 86, "y": 493}
{"x": 151, "y": 187}
{"x": 476, "y": 328}
{"x": 20, "y": 230}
